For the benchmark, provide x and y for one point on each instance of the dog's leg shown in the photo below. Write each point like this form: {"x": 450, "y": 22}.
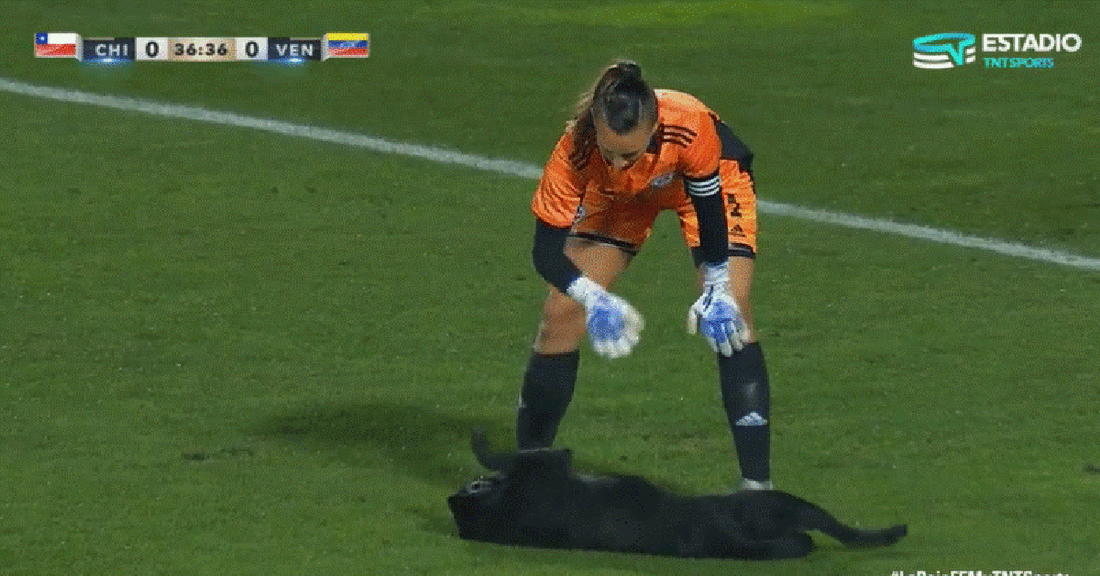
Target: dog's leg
{"x": 544, "y": 460}
{"x": 498, "y": 462}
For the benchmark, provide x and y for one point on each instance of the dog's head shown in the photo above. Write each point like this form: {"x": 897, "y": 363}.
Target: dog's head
{"x": 473, "y": 504}
{"x": 481, "y": 505}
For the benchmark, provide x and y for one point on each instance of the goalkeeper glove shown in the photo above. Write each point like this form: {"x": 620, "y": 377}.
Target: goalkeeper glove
{"x": 613, "y": 325}
{"x": 716, "y": 315}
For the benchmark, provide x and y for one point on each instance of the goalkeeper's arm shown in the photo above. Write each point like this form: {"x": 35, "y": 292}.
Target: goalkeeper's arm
{"x": 715, "y": 313}
{"x": 613, "y": 325}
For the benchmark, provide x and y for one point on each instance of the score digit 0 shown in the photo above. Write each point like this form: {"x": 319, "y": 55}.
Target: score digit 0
{"x": 150, "y": 48}
{"x": 252, "y": 48}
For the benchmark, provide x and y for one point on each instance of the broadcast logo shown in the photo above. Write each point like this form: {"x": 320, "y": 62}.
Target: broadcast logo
{"x": 944, "y": 50}
{"x": 954, "y": 49}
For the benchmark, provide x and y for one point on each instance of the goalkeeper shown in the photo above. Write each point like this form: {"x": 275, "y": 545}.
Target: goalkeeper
{"x": 628, "y": 153}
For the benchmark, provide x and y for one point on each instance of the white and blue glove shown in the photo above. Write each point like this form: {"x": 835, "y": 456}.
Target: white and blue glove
{"x": 614, "y": 326}
{"x": 716, "y": 315}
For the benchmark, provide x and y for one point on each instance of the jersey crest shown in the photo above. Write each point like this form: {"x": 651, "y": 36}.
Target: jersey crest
{"x": 662, "y": 180}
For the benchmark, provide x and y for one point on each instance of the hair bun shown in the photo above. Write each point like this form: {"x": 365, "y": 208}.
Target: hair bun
{"x": 628, "y": 69}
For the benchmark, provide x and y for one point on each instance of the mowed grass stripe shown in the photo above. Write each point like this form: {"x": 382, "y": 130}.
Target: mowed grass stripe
{"x": 524, "y": 169}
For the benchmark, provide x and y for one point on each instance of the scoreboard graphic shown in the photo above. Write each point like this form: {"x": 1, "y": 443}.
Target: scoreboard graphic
{"x": 201, "y": 49}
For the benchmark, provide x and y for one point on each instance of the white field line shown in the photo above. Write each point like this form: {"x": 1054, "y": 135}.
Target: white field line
{"x": 523, "y": 169}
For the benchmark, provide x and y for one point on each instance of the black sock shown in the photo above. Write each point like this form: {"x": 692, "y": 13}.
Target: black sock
{"x": 747, "y": 399}
{"x": 547, "y": 390}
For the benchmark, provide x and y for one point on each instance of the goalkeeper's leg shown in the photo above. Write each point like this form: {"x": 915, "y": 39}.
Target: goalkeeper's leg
{"x": 552, "y": 368}
{"x": 746, "y": 394}
{"x": 746, "y": 397}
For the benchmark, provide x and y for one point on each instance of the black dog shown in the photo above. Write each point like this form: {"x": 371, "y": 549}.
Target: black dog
{"x": 534, "y": 499}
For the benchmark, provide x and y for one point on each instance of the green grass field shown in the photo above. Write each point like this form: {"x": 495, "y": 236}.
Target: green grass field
{"x": 227, "y": 351}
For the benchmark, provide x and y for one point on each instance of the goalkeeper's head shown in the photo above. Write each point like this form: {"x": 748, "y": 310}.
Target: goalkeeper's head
{"x": 619, "y": 113}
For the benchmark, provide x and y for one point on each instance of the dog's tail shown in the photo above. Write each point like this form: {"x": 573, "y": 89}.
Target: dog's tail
{"x": 813, "y": 517}
{"x": 869, "y": 538}
{"x": 496, "y": 461}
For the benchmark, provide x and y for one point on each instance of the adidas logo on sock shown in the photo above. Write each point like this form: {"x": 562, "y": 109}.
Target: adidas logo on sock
{"x": 752, "y": 419}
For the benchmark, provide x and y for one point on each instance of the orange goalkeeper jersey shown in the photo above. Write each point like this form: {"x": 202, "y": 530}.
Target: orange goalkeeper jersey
{"x": 686, "y": 144}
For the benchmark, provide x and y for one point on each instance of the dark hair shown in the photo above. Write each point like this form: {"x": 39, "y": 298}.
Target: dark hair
{"x": 620, "y": 97}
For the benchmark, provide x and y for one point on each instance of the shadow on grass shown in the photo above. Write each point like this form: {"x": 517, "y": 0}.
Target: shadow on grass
{"x": 415, "y": 437}
{"x": 418, "y": 438}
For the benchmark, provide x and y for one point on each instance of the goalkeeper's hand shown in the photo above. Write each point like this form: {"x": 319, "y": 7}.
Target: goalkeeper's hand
{"x": 614, "y": 326}
{"x": 716, "y": 315}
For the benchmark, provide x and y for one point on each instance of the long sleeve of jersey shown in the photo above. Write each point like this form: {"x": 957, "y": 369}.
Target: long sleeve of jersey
{"x": 548, "y": 255}
{"x": 704, "y": 186}
{"x": 554, "y": 205}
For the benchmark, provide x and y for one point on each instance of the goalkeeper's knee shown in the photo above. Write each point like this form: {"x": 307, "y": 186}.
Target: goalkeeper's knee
{"x": 561, "y": 328}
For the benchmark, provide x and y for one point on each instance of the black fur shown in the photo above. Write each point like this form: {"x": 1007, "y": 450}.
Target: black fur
{"x": 533, "y": 498}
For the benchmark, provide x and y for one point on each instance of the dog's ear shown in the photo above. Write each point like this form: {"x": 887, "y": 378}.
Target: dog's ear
{"x": 496, "y": 461}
